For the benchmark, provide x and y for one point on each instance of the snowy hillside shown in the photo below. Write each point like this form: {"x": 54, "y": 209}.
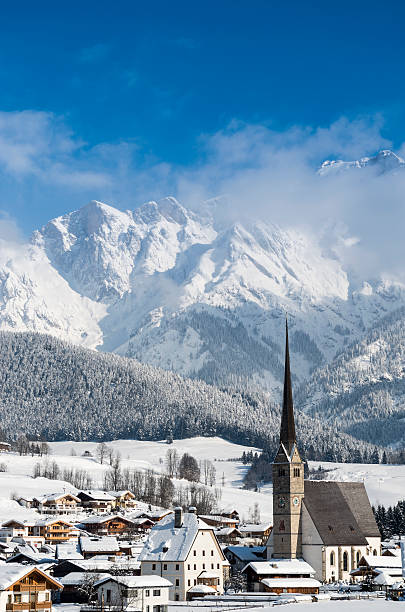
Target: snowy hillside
{"x": 384, "y": 484}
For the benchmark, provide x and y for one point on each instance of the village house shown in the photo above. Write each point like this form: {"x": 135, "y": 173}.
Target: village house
{"x": 29, "y": 555}
{"x": 23, "y": 588}
{"x": 216, "y": 520}
{"x": 330, "y": 525}
{"x": 153, "y": 515}
{"x": 19, "y": 531}
{"x": 63, "y": 503}
{"x": 281, "y": 576}
{"x": 74, "y": 586}
{"x": 98, "y": 564}
{"x": 124, "y": 500}
{"x": 143, "y": 593}
{"x": 114, "y": 524}
{"x": 228, "y": 535}
{"x": 95, "y": 546}
{"x": 38, "y": 533}
{"x": 258, "y": 532}
{"x": 184, "y": 549}
{"x": 381, "y": 570}
{"x": 5, "y": 447}
{"x": 96, "y": 501}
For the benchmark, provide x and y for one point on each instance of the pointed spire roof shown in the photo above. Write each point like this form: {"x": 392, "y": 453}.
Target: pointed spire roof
{"x": 287, "y": 430}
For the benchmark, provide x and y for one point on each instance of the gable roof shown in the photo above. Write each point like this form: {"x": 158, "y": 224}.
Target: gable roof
{"x": 102, "y": 544}
{"x": 96, "y": 495}
{"x": 95, "y": 520}
{"x": 340, "y": 512}
{"x": 246, "y": 553}
{"x": 281, "y": 567}
{"x": 10, "y": 573}
{"x": 54, "y": 497}
{"x": 137, "y": 582}
{"x": 169, "y": 543}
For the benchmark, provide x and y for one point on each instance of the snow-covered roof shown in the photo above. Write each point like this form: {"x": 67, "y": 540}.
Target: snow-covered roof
{"x": 98, "y": 495}
{"x": 106, "y": 543}
{"x": 100, "y": 564}
{"x": 381, "y": 561}
{"x": 291, "y": 583}
{"x": 224, "y": 531}
{"x": 252, "y": 527}
{"x": 121, "y": 493}
{"x": 169, "y": 543}
{"x": 281, "y": 566}
{"x": 98, "y": 520}
{"x": 387, "y": 578}
{"x": 69, "y": 550}
{"x": 74, "y": 578}
{"x": 218, "y": 518}
{"x": 206, "y": 574}
{"x": 11, "y": 572}
{"x": 138, "y": 582}
{"x": 54, "y": 497}
{"x": 202, "y": 588}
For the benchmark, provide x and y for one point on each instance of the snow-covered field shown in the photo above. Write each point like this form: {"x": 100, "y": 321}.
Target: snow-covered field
{"x": 384, "y": 483}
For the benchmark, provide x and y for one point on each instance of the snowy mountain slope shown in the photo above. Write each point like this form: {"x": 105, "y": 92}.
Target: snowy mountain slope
{"x": 190, "y": 292}
{"x": 363, "y": 389}
{"x": 384, "y": 161}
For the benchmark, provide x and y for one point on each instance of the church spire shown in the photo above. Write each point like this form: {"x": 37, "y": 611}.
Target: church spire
{"x": 287, "y": 431}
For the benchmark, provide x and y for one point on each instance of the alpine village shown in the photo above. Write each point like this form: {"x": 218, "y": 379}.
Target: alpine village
{"x": 106, "y": 550}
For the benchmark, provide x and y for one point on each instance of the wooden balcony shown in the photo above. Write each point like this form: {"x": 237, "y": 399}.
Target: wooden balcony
{"x": 34, "y": 588}
{"x": 29, "y": 605}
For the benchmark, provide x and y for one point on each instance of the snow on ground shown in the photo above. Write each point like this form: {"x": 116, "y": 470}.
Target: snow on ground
{"x": 384, "y": 483}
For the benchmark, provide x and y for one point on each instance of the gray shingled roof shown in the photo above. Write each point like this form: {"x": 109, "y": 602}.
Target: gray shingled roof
{"x": 341, "y": 512}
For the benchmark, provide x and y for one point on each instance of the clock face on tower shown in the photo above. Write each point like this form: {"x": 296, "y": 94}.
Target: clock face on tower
{"x": 296, "y": 501}
{"x": 281, "y": 502}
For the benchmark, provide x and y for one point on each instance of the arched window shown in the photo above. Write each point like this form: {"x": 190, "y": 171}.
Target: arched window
{"x": 332, "y": 558}
{"x": 357, "y": 557}
{"x": 345, "y": 562}
{"x": 374, "y": 552}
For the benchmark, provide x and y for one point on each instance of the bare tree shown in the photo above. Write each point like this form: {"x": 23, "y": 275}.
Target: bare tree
{"x": 102, "y": 450}
{"x": 172, "y": 462}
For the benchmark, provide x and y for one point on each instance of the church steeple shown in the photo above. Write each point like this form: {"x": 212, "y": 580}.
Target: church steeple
{"x": 287, "y": 430}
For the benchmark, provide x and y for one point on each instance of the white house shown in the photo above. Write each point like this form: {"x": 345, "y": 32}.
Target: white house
{"x": 184, "y": 549}
{"x": 25, "y": 589}
{"x": 143, "y": 593}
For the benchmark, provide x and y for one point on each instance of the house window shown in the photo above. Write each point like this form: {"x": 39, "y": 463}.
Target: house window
{"x": 345, "y": 562}
{"x": 195, "y": 567}
{"x": 281, "y": 471}
{"x": 165, "y": 566}
{"x": 332, "y": 558}
{"x": 46, "y": 596}
{"x": 212, "y": 553}
{"x": 203, "y": 552}
{"x": 108, "y": 597}
{"x": 147, "y": 593}
{"x": 217, "y": 565}
{"x": 203, "y": 565}
{"x": 195, "y": 553}
{"x": 297, "y": 472}
{"x": 177, "y": 567}
{"x": 147, "y": 608}
{"x": 195, "y": 581}
{"x": 177, "y": 582}
{"x": 153, "y": 566}
{"x": 357, "y": 557}
{"x": 189, "y": 566}
{"x": 156, "y": 592}
{"x": 9, "y": 599}
{"x": 374, "y": 552}
{"x": 189, "y": 582}
{"x": 17, "y": 598}
{"x": 212, "y": 566}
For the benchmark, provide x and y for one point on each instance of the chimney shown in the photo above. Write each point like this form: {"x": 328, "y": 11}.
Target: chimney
{"x": 178, "y": 517}
{"x": 192, "y": 510}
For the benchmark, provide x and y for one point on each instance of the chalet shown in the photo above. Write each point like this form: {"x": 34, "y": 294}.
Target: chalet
{"x": 96, "y": 501}
{"x": 31, "y": 556}
{"x": 21, "y": 531}
{"x": 64, "y": 503}
{"x": 240, "y": 556}
{"x": 281, "y": 576}
{"x": 183, "y": 549}
{"x": 6, "y": 550}
{"x": 124, "y": 500}
{"x": 5, "y": 447}
{"x": 94, "y": 546}
{"x": 230, "y": 512}
{"x": 142, "y": 525}
{"x": 259, "y": 532}
{"x": 56, "y": 531}
{"x": 216, "y": 520}
{"x": 381, "y": 570}
{"x": 97, "y": 565}
{"x": 114, "y": 524}
{"x": 23, "y": 588}
{"x": 228, "y": 535}
{"x": 25, "y": 501}
{"x": 143, "y": 593}
{"x": 153, "y": 515}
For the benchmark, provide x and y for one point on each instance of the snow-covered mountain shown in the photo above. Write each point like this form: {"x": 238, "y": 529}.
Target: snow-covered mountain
{"x": 188, "y": 292}
{"x": 384, "y": 161}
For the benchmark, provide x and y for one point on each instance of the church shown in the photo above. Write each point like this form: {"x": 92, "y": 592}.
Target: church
{"x": 328, "y": 524}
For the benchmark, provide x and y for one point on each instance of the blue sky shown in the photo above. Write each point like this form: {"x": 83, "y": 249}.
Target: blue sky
{"x": 119, "y": 101}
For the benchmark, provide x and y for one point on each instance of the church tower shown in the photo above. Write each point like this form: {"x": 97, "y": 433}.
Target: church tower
{"x": 288, "y": 479}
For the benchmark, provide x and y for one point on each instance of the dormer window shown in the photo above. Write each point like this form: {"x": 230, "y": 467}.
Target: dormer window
{"x": 330, "y": 527}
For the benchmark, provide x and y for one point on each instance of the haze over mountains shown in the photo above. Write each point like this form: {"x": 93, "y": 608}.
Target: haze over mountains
{"x": 191, "y": 292}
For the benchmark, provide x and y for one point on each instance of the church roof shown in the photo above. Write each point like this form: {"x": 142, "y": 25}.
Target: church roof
{"x": 341, "y": 512}
{"x": 287, "y": 430}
